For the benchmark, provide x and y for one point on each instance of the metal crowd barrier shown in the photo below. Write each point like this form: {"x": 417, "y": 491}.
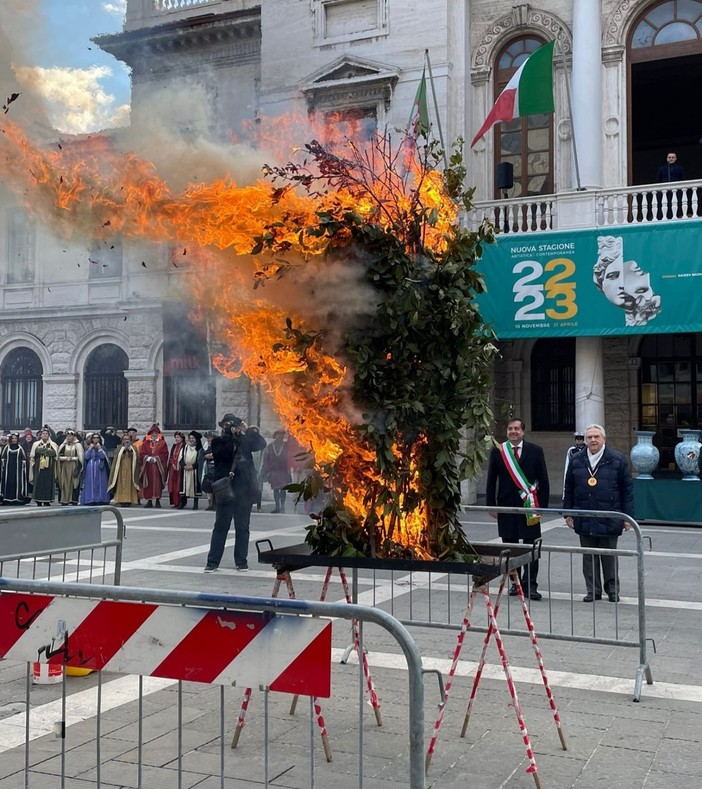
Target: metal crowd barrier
{"x": 147, "y": 743}
{"x": 60, "y": 544}
{"x": 438, "y": 600}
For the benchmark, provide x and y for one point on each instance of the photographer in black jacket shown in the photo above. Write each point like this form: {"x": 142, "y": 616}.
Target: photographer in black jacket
{"x": 231, "y": 452}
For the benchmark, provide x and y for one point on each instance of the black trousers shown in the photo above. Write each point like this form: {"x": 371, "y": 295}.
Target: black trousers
{"x": 530, "y": 572}
{"x": 593, "y": 562}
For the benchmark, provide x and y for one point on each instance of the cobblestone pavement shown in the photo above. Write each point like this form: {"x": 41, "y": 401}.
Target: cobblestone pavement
{"x": 611, "y": 740}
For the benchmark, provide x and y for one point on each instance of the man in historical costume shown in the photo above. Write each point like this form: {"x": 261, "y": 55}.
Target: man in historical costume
{"x": 124, "y": 475}
{"x": 517, "y": 477}
{"x": 599, "y": 479}
{"x": 69, "y": 469}
{"x": 232, "y": 457}
{"x": 13, "y": 472}
{"x": 190, "y": 470}
{"x": 174, "y": 477}
{"x": 42, "y": 468}
{"x": 27, "y": 439}
{"x": 153, "y": 464}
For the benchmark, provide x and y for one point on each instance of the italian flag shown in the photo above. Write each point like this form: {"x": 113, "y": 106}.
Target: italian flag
{"x": 418, "y": 122}
{"x": 529, "y": 92}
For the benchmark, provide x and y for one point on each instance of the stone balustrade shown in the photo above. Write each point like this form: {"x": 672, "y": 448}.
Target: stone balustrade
{"x": 643, "y": 204}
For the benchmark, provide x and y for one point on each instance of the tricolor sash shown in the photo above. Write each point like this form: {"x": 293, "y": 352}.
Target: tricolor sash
{"x": 527, "y": 490}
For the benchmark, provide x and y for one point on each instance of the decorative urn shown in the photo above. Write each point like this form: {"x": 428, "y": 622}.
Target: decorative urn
{"x": 644, "y": 454}
{"x": 687, "y": 455}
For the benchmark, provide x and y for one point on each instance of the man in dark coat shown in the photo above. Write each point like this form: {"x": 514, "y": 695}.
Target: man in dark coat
{"x": 599, "y": 479}
{"x": 237, "y": 441}
{"x": 517, "y": 475}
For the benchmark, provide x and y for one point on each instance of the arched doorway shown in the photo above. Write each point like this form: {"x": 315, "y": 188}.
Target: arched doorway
{"x": 525, "y": 143}
{"x": 22, "y": 390}
{"x": 106, "y": 391}
{"x": 665, "y": 66}
{"x": 671, "y": 389}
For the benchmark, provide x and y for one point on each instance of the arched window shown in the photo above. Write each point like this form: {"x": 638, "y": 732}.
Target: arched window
{"x": 669, "y": 22}
{"x": 553, "y": 384}
{"x": 664, "y": 55}
{"x": 526, "y": 143}
{"x": 671, "y": 389}
{"x": 21, "y": 377}
{"x": 106, "y": 393}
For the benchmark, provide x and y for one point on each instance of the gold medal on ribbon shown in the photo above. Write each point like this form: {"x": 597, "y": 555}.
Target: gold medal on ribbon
{"x": 592, "y": 482}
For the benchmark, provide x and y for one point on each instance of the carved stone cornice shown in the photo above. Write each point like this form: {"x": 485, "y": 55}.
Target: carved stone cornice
{"x": 237, "y": 34}
{"x": 613, "y": 55}
{"x": 523, "y": 19}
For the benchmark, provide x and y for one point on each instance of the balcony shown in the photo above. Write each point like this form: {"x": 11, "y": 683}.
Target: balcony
{"x": 144, "y": 13}
{"x": 630, "y": 205}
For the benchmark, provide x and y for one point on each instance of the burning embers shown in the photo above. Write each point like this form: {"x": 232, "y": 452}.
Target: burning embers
{"x": 343, "y": 284}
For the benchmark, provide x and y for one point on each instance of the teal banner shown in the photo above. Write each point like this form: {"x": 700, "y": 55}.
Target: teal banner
{"x": 619, "y": 280}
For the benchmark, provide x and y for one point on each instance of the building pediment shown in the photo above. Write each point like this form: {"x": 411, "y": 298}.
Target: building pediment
{"x": 350, "y": 81}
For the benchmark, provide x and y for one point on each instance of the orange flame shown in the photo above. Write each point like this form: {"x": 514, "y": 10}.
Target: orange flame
{"x": 105, "y": 193}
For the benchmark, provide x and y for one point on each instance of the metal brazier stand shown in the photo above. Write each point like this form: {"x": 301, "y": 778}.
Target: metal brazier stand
{"x": 495, "y": 561}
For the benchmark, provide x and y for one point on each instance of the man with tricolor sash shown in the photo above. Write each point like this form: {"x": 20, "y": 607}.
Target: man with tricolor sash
{"x": 517, "y": 477}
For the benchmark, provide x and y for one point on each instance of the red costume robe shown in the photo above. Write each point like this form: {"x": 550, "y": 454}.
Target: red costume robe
{"x": 153, "y": 465}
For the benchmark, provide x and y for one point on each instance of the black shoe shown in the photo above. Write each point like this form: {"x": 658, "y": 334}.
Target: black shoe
{"x": 513, "y": 591}
{"x": 210, "y": 568}
{"x": 158, "y": 504}
{"x": 589, "y": 598}
{"x": 182, "y": 504}
{"x": 148, "y": 505}
{"x": 613, "y": 597}
{"x": 534, "y": 595}
{"x": 209, "y": 509}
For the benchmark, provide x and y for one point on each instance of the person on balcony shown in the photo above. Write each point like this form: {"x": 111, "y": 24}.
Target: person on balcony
{"x": 668, "y": 173}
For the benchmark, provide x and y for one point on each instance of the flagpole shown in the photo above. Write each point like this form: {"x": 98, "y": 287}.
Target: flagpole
{"x": 436, "y": 105}
{"x": 570, "y": 113}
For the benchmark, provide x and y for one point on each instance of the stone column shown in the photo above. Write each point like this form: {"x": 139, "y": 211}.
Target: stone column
{"x": 587, "y": 90}
{"x": 60, "y": 401}
{"x": 143, "y": 399}
{"x": 589, "y": 382}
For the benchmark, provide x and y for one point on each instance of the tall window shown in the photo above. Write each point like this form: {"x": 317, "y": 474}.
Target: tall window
{"x": 664, "y": 55}
{"x": 189, "y": 389}
{"x": 671, "y": 389}
{"x": 106, "y": 392}
{"x": 553, "y": 384}
{"x": 21, "y": 377}
{"x": 20, "y": 248}
{"x": 526, "y": 143}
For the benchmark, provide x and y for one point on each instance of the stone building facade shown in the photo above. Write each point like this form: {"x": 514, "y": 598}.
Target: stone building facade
{"x": 202, "y": 68}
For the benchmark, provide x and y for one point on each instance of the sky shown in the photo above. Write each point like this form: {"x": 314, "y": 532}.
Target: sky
{"x": 83, "y": 88}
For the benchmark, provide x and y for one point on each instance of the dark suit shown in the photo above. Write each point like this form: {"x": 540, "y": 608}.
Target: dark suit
{"x": 501, "y": 491}
{"x": 614, "y": 492}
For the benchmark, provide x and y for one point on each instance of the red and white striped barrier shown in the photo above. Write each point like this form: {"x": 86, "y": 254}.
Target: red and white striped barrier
{"x": 288, "y": 654}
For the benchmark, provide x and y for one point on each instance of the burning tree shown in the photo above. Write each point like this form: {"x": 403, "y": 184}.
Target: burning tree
{"x": 381, "y": 397}
{"x": 419, "y": 366}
